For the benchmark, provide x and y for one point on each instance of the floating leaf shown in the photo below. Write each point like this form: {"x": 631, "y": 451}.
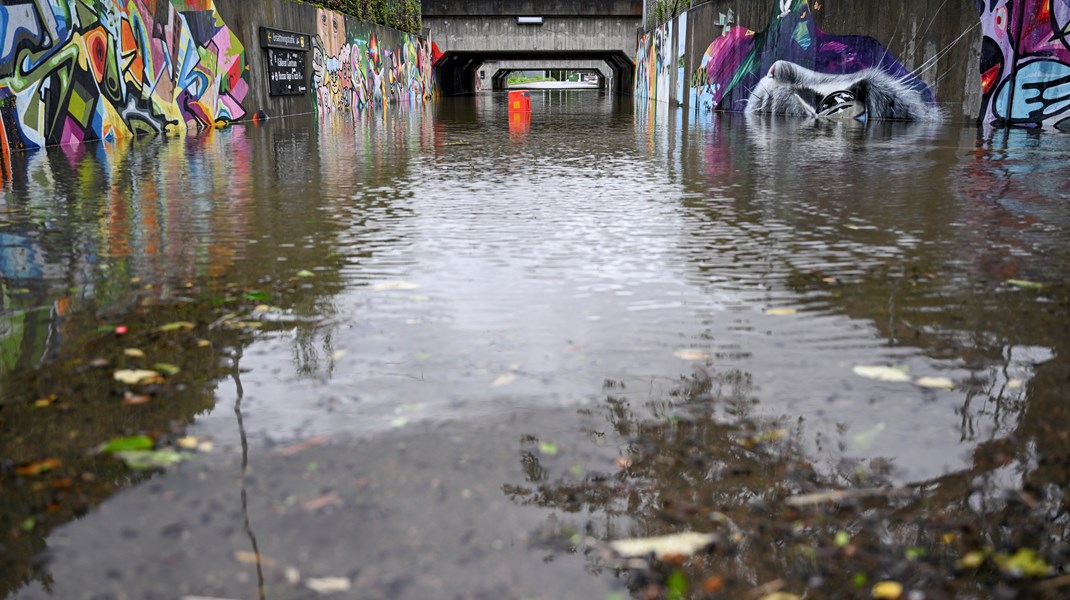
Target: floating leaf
{"x": 887, "y": 590}
{"x": 28, "y": 524}
{"x": 548, "y": 448}
{"x": 1023, "y": 563}
{"x": 942, "y": 383}
{"x": 842, "y": 539}
{"x": 781, "y": 312}
{"x": 254, "y": 558}
{"x": 123, "y": 444}
{"x": 134, "y": 353}
{"x": 130, "y": 399}
{"x": 189, "y": 442}
{"x": 167, "y": 368}
{"x": 399, "y": 422}
{"x": 1025, "y": 284}
{"x": 305, "y": 273}
{"x": 41, "y": 466}
{"x": 866, "y": 438}
{"x": 45, "y": 402}
{"x": 780, "y": 596}
{"x": 894, "y": 374}
{"x": 972, "y": 560}
{"x": 679, "y": 544}
{"x": 150, "y": 459}
{"x": 390, "y": 286}
{"x": 328, "y": 585}
{"x": 691, "y": 354}
{"x": 504, "y": 380}
{"x": 176, "y": 326}
{"x": 257, "y": 296}
{"x": 137, "y": 376}
{"x": 676, "y": 586}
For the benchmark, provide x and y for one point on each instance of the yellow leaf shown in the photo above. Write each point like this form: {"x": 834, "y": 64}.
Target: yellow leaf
{"x": 882, "y": 373}
{"x": 137, "y": 376}
{"x": 390, "y": 286}
{"x": 679, "y": 544}
{"x": 134, "y": 353}
{"x": 691, "y": 354}
{"x": 972, "y": 560}
{"x": 504, "y": 380}
{"x": 942, "y": 383}
{"x": 887, "y": 590}
{"x": 781, "y": 312}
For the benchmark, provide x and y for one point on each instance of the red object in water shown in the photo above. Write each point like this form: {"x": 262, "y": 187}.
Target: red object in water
{"x": 121, "y": 330}
{"x": 519, "y": 101}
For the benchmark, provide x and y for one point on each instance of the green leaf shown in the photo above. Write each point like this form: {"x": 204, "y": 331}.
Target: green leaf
{"x": 176, "y": 326}
{"x": 305, "y": 273}
{"x": 1024, "y": 284}
{"x": 124, "y": 444}
{"x": 167, "y": 368}
{"x": 676, "y": 586}
{"x": 257, "y": 296}
{"x": 548, "y": 448}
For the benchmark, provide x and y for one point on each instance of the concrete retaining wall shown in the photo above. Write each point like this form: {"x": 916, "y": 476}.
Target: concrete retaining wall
{"x": 72, "y": 71}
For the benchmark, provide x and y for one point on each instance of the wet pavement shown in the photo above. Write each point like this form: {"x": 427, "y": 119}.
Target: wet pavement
{"x": 444, "y": 353}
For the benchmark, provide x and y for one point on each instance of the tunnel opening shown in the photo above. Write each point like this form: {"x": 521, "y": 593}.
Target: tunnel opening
{"x": 460, "y": 73}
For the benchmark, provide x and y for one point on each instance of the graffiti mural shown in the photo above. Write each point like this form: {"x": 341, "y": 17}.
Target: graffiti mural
{"x": 1025, "y": 62}
{"x": 76, "y": 70}
{"x": 353, "y": 70}
{"x": 795, "y": 68}
{"x": 654, "y": 59}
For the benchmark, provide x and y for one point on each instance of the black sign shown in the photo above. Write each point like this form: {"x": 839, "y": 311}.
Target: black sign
{"x": 285, "y": 61}
{"x": 286, "y": 72}
{"x": 284, "y": 40}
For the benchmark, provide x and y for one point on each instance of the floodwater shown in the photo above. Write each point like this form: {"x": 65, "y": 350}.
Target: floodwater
{"x": 452, "y": 353}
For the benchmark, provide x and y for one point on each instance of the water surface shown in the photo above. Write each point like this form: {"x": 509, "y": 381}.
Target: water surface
{"x": 439, "y": 267}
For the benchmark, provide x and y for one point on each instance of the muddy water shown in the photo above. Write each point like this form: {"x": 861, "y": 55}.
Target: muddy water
{"x": 439, "y": 354}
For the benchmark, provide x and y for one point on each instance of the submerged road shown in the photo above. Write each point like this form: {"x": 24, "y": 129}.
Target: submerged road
{"x": 443, "y": 354}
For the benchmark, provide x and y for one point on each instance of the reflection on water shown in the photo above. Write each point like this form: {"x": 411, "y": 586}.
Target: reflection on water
{"x": 445, "y": 266}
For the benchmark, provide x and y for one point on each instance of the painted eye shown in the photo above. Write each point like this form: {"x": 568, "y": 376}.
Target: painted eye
{"x": 1001, "y": 19}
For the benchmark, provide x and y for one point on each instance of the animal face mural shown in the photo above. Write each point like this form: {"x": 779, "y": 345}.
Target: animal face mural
{"x": 76, "y": 70}
{"x": 1025, "y": 62}
{"x": 352, "y": 71}
{"x": 794, "y": 68}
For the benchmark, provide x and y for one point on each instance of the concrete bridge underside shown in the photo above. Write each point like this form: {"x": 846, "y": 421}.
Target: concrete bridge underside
{"x": 473, "y": 32}
{"x": 497, "y": 73}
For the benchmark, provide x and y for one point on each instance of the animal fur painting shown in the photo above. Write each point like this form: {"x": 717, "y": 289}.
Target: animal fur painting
{"x": 794, "y": 68}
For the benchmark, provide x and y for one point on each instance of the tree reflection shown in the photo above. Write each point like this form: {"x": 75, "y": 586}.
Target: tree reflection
{"x": 684, "y": 465}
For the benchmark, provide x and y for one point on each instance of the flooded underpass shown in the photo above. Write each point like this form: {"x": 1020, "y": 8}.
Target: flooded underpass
{"x": 440, "y": 353}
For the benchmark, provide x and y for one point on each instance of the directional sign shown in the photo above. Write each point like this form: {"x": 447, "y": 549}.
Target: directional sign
{"x": 285, "y": 61}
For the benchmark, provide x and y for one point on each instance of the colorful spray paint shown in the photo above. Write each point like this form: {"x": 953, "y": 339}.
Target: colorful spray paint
{"x": 77, "y": 70}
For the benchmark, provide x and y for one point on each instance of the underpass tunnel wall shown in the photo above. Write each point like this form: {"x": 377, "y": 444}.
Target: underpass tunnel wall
{"x": 73, "y": 72}
{"x": 1001, "y": 64}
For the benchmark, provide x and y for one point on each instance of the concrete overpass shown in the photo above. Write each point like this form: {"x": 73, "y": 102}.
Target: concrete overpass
{"x": 497, "y": 72}
{"x": 551, "y": 32}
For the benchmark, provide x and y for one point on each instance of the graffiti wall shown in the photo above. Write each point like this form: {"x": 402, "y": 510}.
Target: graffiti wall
{"x": 1025, "y": 62}
{"x": 75, "y": 70}
{"x": 78, "y": 70}
{"x": 357, "y": 66}
{"x": 653, "y": 62}
{"x": 795, "y": 68}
